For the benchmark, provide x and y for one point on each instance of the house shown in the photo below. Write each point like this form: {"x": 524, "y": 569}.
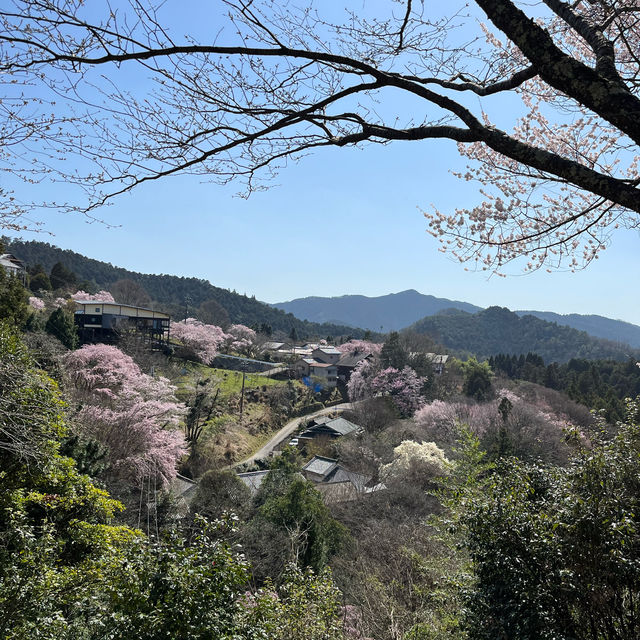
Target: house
{"x": 335, "y": 482}
{"x": 13, "y": 266}
{"x": 349, "y": 361}
{"x": 325, "y": 373}
{"x": 253, "y": 479}
{"x": 103, "y": 321}
{"x": 326, "y": 354}
{"x": 438, "y": 362}
{"x": 184, "y": 490}
{"x": 328, "y": 428}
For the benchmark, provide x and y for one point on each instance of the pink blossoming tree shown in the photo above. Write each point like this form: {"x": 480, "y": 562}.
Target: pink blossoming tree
{"x": 36, "y": 303}
{"x": 202, "y": 340}
{"x": 101, "y": 296}
{"x": 403, "y": 386}
{"x": 240, "y": 339}
{"x": 133, "y": 414}
{"x": 354, "y": 347}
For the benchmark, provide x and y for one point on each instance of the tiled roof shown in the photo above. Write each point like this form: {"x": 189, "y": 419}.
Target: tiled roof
{"x": 253, "y": 479}
{"x": 320, "y": 465}
{"x": 342, "y": 426}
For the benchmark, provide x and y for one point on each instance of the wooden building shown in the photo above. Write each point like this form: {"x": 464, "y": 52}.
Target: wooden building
{"x": 108, "y": 321}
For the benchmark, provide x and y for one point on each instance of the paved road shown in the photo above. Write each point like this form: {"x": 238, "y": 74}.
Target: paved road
{"x": 288, "y": 429}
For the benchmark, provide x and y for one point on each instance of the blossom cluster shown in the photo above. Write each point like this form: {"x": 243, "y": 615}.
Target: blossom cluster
{"x": 204, "y": 340}
{"x": 101, "y": 296}
{"x": 134, "y": 415}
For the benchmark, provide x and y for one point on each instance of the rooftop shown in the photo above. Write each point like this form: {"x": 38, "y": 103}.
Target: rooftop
{"x": 320, "y": 465}
{"x": 253, "y": 479}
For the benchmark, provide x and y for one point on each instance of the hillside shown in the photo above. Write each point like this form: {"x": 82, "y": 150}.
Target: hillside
{"x": 171, "y": 293}
{"x": 391, "y": 312}
{"x": 497, "y": 330}
{"x": 599, "y": 326}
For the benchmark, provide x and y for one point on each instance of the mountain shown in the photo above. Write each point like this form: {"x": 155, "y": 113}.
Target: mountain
{"x": 392, "y": 312}
{"x": 173, "y": 293}
{"x": 616, "y": 330}
{"x": 497, "y": 330}
{"x": 399, "y": 310}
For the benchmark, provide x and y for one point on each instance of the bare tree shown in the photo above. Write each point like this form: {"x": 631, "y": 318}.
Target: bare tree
{"x": 127, "y": 291}
{"x": 278, "y": 80}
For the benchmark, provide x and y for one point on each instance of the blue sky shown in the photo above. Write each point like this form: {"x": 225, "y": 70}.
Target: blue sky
{"x": 341, "y": 221}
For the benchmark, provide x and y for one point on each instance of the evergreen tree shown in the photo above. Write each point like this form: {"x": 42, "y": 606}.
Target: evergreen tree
{"x": 477, "y": 379}
{"x": 14, "y": 306}
{"x": 393, "y": 353}
{"x": 61, "y": 277}
{"x": 60, "y": 325}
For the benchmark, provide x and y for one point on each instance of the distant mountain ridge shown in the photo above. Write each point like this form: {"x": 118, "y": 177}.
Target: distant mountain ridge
{"x": 497, "y": 330}
{"x": 397, "y": 311}
{"x": 599, "y": 326}
{"x": 391, "y": 312}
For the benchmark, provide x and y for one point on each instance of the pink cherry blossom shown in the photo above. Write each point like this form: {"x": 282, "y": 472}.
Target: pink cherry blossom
{"x": 101, "y": 296}
{"x": 36, "y": 303}
{"x": 204, "y": 340}
{"x": 135, "y": 415}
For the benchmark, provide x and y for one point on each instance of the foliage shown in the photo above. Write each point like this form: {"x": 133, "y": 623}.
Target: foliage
{"x": 39, "y": 282}
{"x": 358, "y": 386}
{"x": 212, "y": 312}
{"x": 555, "y": 550}
{"x": 598, "y": 384}
{"x": 67, "y": 572}
{"x": 127, "y": 291}
{"x": 477, "y": 379}
{"x": 220, "y": 491}
{"x": 393, "y": 353}
{"x": 296, "y": 508}
{"x": 13, "y": 300}
{"x": 61, "y": 277}
{"x": 55, "y": 536}
{"x": 240, "y": 339}
{"x": 533, "y": 428}
{"x": 36, "y": 303}
{"x": 200, "y": 409}
{"x": 175, "y": 587}
{"x": 60, "y": 325}
{"x": 134, "y": 415}
{"x": 305, "y": 607}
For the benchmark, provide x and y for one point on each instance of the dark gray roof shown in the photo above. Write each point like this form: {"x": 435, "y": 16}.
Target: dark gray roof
{"x": 342, "y": 426}
{"x": 352, "y": 359}
{"x": 253, "y": 479}
{"x": 320, "y": 465}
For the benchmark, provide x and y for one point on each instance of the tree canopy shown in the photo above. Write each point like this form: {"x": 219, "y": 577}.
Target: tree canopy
{"x": 274, "y": 81}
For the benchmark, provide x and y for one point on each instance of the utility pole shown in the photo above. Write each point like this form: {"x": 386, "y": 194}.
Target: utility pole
{"x": 244, "y": 369}
{"x": 187, "y": 300}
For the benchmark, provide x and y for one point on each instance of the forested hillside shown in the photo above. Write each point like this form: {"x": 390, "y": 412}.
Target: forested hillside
{"x": 173, "y": 293}
{"x": 497, "y": 330}
{"x": 594, "y": 325}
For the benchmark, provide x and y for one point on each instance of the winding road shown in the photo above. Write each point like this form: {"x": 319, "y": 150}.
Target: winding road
{"x": 288, "y": 429}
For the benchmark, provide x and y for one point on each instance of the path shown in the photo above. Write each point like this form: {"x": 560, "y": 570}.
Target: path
{"x": 287, "y": 430}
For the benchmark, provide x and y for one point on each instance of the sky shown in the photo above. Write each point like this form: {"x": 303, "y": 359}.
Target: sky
{"x": 340, "y": 221}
